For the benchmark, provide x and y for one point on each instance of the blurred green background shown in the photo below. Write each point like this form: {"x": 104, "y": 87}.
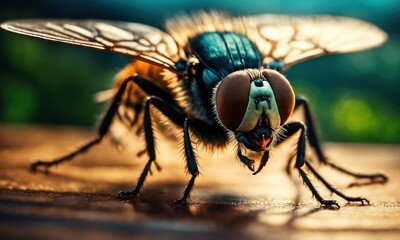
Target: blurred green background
{"x": 355, "y": 97}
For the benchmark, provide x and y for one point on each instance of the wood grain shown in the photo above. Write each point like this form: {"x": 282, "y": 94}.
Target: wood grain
{"x": 77, "y": 199}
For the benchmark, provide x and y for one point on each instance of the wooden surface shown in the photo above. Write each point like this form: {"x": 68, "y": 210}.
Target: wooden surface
{"x": 77, "y": 199}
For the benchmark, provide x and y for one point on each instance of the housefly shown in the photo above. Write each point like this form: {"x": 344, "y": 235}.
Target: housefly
{"x": 218, "y": 78}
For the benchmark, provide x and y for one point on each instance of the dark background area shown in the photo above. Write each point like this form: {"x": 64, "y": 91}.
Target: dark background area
{"x": 355, "y": 96}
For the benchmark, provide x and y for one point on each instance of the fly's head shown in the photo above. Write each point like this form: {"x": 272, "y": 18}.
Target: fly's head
{"x": 253, "y": 104}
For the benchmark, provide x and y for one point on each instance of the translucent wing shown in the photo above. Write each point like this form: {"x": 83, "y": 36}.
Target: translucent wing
{"x": 132, "y": 39}
{"x": 296, "y": 39}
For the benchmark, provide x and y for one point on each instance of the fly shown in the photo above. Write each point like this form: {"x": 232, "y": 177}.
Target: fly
{"x": 217, "y": 78}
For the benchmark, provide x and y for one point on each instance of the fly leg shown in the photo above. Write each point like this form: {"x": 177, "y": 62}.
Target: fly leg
{"x": 294, "y": 127}
{"x": 137, "y": 108}
{"x": 175, "y": 115}
{"x": 250, "y": 162}
{"x": 105, "y": 124}
{"x": 315, "y": 143}
{"x": 191, "y": 164}
{"x": 263, "y": 162}
{"x": 148, "y": 132}
{"x": 362, "y": 200}
{"x": 102, "y": 131}
{"x": 245, "y": 160}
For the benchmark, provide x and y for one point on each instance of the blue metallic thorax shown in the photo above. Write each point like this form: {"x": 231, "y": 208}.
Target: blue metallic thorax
{"x": 222, "y": 53}
{"x": 219, "y": 54}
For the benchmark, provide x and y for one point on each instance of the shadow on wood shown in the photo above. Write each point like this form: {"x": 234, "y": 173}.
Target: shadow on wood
{"x": 77, "y": 199}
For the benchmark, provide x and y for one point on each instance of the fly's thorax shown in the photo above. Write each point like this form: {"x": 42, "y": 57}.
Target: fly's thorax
{"x": 244, "y": 97}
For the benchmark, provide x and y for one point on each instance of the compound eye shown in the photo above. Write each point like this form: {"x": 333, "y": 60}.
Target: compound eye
{"x": 283, "y": 92}
{"x": 231, "y": 99}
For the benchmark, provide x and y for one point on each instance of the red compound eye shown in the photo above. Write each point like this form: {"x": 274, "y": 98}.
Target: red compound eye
{"x": 231, "y": 98}
{"x": 283, "y": 92}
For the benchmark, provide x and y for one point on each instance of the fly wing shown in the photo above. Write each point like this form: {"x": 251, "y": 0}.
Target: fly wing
{"x": 294, "y": 39}
{"x": 136, "y": 40}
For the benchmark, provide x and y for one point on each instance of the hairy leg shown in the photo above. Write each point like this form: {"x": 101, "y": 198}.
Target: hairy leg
{"x": 105, "y": 124}
{"x": 191, "y": 164}
{"x": 293, "y": 128}
{"x": 102, "y": 131}
{"x": 316, "y": 145}
{"x": 175, "y": 115}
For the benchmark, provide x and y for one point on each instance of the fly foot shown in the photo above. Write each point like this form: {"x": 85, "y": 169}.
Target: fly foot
{"x": 331, "y": 204}
{"x": 179, "y": 202}
{"x": 127, "y": 195}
